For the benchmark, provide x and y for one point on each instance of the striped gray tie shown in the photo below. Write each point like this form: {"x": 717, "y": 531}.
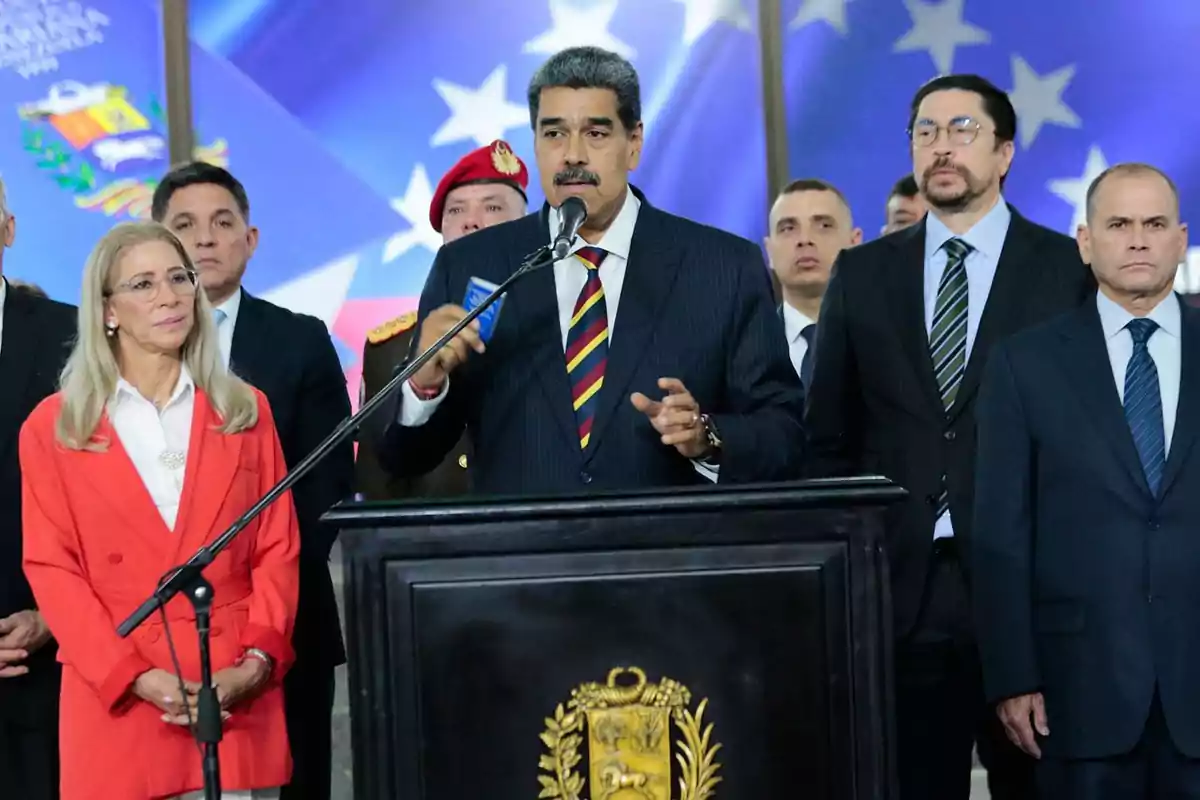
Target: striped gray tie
{"x": 948, "y": 336}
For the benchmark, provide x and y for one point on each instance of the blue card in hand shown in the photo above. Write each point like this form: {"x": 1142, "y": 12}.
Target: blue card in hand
{"x": 477, "y": 291}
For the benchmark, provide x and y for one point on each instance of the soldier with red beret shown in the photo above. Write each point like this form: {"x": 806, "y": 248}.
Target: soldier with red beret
{"x": 486, "y": 187}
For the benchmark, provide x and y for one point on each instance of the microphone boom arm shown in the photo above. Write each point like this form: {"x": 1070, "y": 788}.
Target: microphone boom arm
{"x": 180, "y": 577}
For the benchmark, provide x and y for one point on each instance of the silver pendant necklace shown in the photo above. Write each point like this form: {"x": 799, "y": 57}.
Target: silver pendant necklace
{"x": 172, "y": 459}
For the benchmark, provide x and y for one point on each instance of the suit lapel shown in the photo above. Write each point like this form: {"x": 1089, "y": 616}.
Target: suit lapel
{"x": 247, "y": 338}
{"x": 907, "y": 279}
{"x": 649, "y": 277}
{"x": 116, "y": 481}
{"x": 1003, "y": 300}
{"x": 536, "y": 298}
{"x": 1186, "y": 421}
{"x": 17, "y": 351}
{"x": 1085, "y": 358}
{"x": 212, "y": 461}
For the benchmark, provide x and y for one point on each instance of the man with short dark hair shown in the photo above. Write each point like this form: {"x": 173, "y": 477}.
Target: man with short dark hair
{"x": 905, "y": 205}
{"x": 810, "y": 223}
{"x": 36, "y": 335}
{"x": 291, "y": 359}
{"x": 694, "y": 384}
{"x": 906, "y": 328}
{"x": 1085, "y": 554}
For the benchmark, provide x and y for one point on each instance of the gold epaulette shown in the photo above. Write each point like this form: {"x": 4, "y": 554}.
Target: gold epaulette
{"x": 392, "y": 328}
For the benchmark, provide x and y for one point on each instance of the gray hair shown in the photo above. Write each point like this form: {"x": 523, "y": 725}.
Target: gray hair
{"x": 590, "y": 68}
{"x": 90, "y": 376}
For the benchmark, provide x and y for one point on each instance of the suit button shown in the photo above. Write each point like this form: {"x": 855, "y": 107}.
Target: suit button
{"x": 950, "y": 436}
{"x": 1153, "y": 524}
{"x": 115, "y": 558}
{"x": 585, "y": 477}
{"x": 931, "y": 499}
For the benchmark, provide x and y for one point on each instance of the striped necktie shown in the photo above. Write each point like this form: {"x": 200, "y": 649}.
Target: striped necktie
{"x": 948, "y": 335}
{"x": 587, "y": 344}
{"x": 1143, "y": 404}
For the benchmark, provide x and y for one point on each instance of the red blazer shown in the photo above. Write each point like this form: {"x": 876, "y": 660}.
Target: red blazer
{"x": 95, "y": 546}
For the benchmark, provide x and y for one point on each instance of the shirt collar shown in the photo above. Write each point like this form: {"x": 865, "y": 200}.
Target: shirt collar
{"x": 795, "y": 321}
{"x": 985, "y": 237}
{"x": 618, "y": 239}
{"x": 184, "y": 387}
{"x": 3, "y": 292}
{"x": 231, "y": 306}
{"x": 1114, "y": 318}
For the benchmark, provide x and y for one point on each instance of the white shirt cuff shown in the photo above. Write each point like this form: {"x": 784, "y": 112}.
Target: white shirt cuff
{"x": 415, "y": 411}
{"x": 709, "y": 471}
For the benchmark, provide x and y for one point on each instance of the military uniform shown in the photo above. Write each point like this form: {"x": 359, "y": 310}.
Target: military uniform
{"x": 386, "y": 347}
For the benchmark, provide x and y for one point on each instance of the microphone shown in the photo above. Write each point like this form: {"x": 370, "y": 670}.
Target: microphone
{"x": 571, "y": 216}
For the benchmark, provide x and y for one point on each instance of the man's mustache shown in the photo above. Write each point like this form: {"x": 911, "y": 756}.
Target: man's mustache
{"x": 576, "y": 175}
{"x": 945, "y": 163}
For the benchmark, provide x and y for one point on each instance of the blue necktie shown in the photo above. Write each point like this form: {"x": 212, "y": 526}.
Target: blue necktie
{"x": 806, "y": 363}
{"x": 1143, "y": 404}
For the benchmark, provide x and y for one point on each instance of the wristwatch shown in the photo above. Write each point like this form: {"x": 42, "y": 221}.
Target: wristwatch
{"x": 713, "y": 437}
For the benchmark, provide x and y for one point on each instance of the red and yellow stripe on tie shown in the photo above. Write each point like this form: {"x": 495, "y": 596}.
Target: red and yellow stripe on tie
{"x": 587, "y": 344}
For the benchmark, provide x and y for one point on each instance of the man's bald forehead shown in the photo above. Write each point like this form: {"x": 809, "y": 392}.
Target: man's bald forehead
{"x": 1129, "y": 169}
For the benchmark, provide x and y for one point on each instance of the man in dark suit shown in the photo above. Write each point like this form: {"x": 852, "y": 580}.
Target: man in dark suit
{"x": 695, "y": 384}
{"x": 1086, "y": 552}
{"x": 291, "y": 359}
{"x": 809, "y": 224}
{"x": 486, "y": 187}
{"x": 906, "y": 327}
{"x": 35, "y": 338}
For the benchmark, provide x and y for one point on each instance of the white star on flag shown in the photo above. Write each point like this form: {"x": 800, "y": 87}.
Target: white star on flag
{"x": 319, "y": 292}
{"x": 1074, "y": 190}
{"x": 831, "y": 11}
{"x": 482, "y": 114}
{"x": 414, "y": 207}
{"x": 939, "y": 28}
{"x": 1038, "y": 100}
{"x": 577, "y": 25}
{"x": 703, "y": 14}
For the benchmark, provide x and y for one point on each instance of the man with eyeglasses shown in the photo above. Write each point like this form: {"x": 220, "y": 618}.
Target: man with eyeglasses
{"x": 35, "y": 339}
{"x": 291, "y": 359}
{"x": 907, "y": 324}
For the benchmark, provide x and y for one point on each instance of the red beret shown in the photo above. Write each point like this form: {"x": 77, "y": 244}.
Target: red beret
{"x": 496, "y": 163}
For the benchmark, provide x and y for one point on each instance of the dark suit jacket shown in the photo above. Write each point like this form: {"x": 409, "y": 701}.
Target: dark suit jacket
{"x": 696, "y": 305}
{"x": 874, "y": 405}
{"x": 291, "y": 359}
{"x": 37, "y": 338}
{"x": 451, "y": 478}
{"x": 1086, "y": 585}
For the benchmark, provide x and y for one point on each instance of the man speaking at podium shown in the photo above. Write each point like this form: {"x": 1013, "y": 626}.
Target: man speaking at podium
{"x": 651, "y": 356}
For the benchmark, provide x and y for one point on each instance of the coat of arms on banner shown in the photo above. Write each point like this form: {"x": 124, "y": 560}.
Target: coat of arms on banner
{"x": 626, "y": 731}
{"x": 95, "y": 142}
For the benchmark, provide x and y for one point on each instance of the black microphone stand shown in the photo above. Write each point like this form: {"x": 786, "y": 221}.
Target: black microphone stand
{"x": 189, "y": 577}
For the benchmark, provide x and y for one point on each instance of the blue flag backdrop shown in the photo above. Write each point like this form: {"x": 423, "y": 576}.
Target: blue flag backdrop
{"x": 340, "y": 118}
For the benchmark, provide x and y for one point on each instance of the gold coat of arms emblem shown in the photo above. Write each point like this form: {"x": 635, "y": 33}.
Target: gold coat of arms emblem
{"x": 627, "y": 727}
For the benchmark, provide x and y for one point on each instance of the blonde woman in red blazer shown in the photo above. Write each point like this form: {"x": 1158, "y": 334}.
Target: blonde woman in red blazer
{"x": 150, "y": 450}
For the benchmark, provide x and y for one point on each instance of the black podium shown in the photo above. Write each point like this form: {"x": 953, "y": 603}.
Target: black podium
{"x": 709, "y": 642}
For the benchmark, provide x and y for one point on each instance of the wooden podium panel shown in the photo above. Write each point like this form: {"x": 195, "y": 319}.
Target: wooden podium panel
{"x": 761, "y": 610}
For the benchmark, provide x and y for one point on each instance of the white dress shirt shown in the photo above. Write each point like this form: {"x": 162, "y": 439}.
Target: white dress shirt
{"x": 3, "y": 295}
{"x": 794, "y": 323}
{"x": 986, "y": 238}
{"x": 226, "y": 324}
{"x": 570, "y": 275}
{"x": 147, "y": 434}
{"x": 1164, "y": 345}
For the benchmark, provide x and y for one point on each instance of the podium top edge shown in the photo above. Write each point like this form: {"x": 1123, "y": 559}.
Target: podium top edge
{"x": 861, "y": 491}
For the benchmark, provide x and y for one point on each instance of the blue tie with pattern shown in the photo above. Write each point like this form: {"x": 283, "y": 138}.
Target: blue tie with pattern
{"x": 1143, "y": 404}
